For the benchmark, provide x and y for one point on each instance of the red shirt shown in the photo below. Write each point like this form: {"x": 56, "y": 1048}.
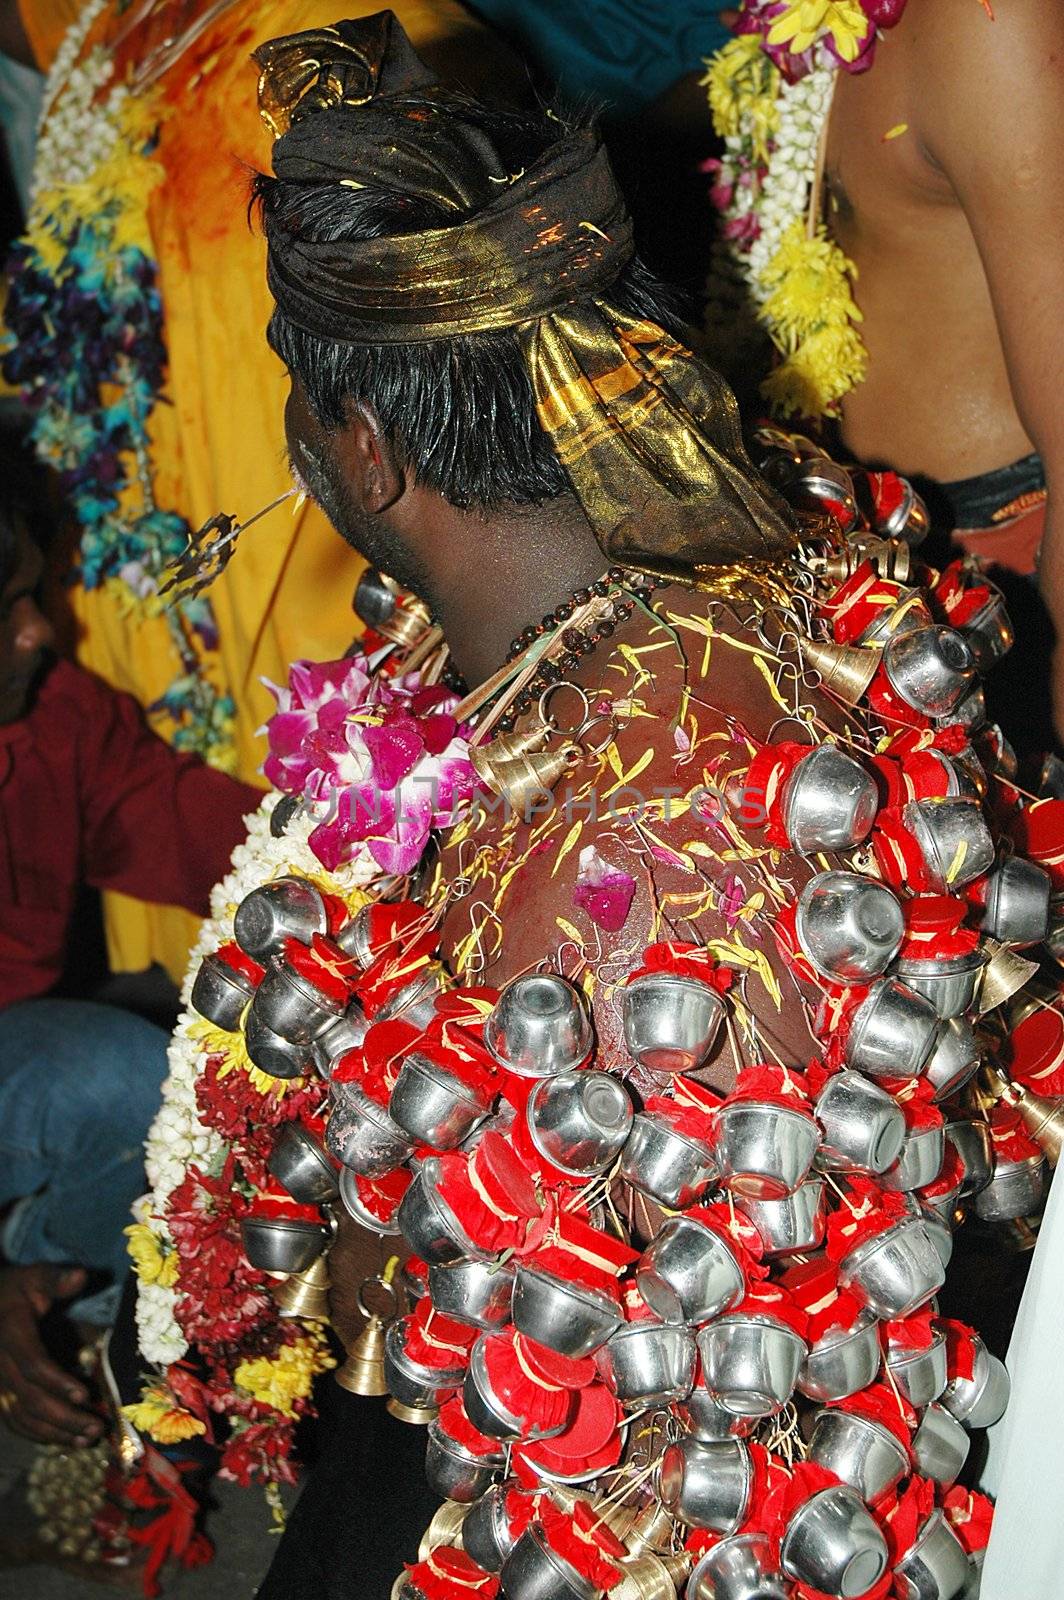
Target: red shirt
{"x": 89, "y": 794}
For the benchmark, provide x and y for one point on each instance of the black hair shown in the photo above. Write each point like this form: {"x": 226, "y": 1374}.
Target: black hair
{"x": 459, "y": 412}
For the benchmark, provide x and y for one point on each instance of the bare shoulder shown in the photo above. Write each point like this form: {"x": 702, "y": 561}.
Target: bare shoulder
{"x": 973, "y": 68}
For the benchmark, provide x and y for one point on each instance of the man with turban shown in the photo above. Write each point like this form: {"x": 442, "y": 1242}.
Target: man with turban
{"x": 490, "y": 401}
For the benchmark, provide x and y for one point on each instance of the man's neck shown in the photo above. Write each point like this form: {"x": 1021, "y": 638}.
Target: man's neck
{"x": 498, "y": 573}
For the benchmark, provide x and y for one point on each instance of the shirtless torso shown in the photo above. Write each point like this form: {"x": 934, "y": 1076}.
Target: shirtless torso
{"x": 955, "y": 227}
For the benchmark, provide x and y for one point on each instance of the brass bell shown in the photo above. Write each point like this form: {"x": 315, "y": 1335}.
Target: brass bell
{"x": 306, "y": 1294}
{"x": 417, "y": 1416}
{"x": 645, "y": 1578}
{"x": 444, "y": 1529}
{"x": 363, "y": 1371}
{"x": 1004, "y": 975}
{"x": 521, "y": 779}
{"x": 1042, "y": 1115}
{"x": 408, "y": 623}
{"x": 508, "y": 746}
{"x": 846, "y": 670}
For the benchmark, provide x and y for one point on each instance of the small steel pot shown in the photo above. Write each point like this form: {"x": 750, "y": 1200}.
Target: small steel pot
{"x": 487, "y": 1411}
{"x": 920, "y": 1161}
{"x": 427, "y": 1222}
{"x": 532, "y": 1571}
{"x": 895, "y": 1271}
{"x": 936, "y": 1566}
{"x": 486, "y": 1533}
{"x": 539, "y": 1026}
{"x": 478, "y": 1292}
{"x": 892, "y": 1032}
{"x": 954, "y": 840}
{"x": 859, "y": 1452}
{"x": 291, "y": 1006}
{"x": 287, "y": 908}
{"x": 220, "y": 993}
{"x": 763, "y": 1150}
{"x": 688, "y": 1274}
{"x": 434, "y": 1106}
{"x": 832, "y": 1543}
{"x": 362, "y": 1135}
{"x": 849, "y": 927}
{"x": 282, "y": 1244}
{"x": 739, "y": 1568}
{"x": 751, "y": 1363}
{"x": 988, "y": 632}
{"x": 668, "y": 1165}
{"x": 354, "y": 937}
{"x": 1017, "y": 902}
{"x": 830, "y": 802}
{"x": 410, "y": 1382}
{"x": 920, "y": 1375}
{"x": 707, "y": 1419}
{"x": 670, "y": 1022}
{"x": 842, "y": 1361}
{"x": 954, "y": 1059}
{"x": 862, "y": 1126}
{"x": 272, "y": 1054}
{"x": 352, "y": 1204}
{"x": 301, "y": 1166}
{"x": 1016, "y": 1189}
{"x": 416, "y": 1001}
{"x": 931, "y": 669}
{"x": 455, "y": 1473}
{"x": 940, "y": 1446}
{"x": 970, "y": 711}
{"x": 830, "y": 488}
{"x": 648, "y": 1363}
{"x": 979, "y": 1401}
{"x": 937, "y": 1226}
{"x": 706, "y": 1485}
{"x": 569, "y": 1317}
{"x": 950, "y": 984}
{"x": 579, "y": 1120}
{"x": 970, "y": 1137}
{"x": 794, "y": 1223}
{"x": 347, "y": 1034}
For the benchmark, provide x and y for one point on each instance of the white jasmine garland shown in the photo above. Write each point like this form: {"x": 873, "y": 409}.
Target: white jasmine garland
{"x": 786, "y": 188}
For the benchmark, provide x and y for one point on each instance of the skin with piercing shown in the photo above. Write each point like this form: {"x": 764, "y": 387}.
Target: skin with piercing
{"x": 660, "y": 678}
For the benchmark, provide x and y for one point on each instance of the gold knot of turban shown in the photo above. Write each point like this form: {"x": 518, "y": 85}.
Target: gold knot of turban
{"x": 648, "y": 435}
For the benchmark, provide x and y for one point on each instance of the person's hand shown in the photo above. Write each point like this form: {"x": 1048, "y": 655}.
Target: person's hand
{"x": 37, "y": 1398}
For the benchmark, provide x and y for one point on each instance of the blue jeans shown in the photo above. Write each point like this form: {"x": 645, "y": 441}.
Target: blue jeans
{"x": 79, "y": 1087}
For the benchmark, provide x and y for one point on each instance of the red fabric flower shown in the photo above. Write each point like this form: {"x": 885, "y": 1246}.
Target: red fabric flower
{"x": 449, "y": 1574}
{"x": 684, "y": 961}
{"x": 970, "y": 1515}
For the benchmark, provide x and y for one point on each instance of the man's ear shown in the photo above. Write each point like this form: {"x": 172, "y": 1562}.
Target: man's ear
{"x": 369, "y": 462}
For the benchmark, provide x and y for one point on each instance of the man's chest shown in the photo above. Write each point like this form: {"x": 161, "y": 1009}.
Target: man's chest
{"x": 883, "y": 195}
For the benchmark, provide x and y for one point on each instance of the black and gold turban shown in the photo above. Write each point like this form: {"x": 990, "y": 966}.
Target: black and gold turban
{"x": 648, "y": 436}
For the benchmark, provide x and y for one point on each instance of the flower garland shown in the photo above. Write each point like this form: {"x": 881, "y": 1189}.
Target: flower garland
{"x": 339, "y": 737}
{"x": 775, "y": 270}
{"x": 85, "y": 346}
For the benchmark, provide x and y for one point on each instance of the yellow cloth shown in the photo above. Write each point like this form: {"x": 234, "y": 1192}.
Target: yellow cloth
{"x": 219, "y": 444}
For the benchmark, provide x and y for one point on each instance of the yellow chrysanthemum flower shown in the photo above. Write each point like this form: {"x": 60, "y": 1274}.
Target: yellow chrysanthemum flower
{"x": 280, "y": 1380}
{"x": 151, "y": 1262}
{"x": 810, "y": 278}
{"x": 816, "y": 375}
{"x": 232, "y": 1048}
{"x": 743, "y": 84}
{"x": 806, "y": 21}
{"x": 158, "y": 1415}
